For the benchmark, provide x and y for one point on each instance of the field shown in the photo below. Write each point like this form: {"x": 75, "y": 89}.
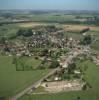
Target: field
{"x": 50, "y": 17}
{"x": 70, "y": 30}
{"x": 80, "y": 27}
{"x": 31, "y": 24}
{"x": 92, "y": 94}
{"x": 8, "y": 31}
{"x": 67, "y": 27}
{"x": 59, "y": 18}
{"x": 12, "y": 81}
{"x": 64, "y": 96}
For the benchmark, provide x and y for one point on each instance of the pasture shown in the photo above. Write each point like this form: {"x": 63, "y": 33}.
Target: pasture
{"x": 12, "y": 81}
{"x": 92, "y": 94}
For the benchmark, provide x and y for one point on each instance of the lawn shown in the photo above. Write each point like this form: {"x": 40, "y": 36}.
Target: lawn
{"x": 12, "y": 81}
{"x": 91, "y": 76}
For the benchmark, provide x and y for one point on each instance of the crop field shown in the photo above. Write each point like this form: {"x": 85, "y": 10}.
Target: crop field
{"x": 31, "y": 24}
{"x": 58, "y": 17}
{"x": 67, "y": 27}
{"x": 71, "y": 30}
{"x": 80, "y": 27}
{"x": 92, "y": 94}
{"x": 12, "y": 81}
{"x": 8, "y": 31}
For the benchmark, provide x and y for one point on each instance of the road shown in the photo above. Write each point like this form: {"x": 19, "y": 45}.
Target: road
{"x": 36, "y": 84}
{"x": 71, "y": 55}
{"x": 74, "y": 53}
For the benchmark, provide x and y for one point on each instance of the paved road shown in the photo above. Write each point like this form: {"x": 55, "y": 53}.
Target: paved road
{"x": 70, "y": 56}
{"x": 36, "y": 84}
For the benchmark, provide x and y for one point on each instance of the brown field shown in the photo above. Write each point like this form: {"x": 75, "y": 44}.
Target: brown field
{"x": 67, "y": 27}
{"x": 31, "y": 24}
{"x": 80, "y": 27}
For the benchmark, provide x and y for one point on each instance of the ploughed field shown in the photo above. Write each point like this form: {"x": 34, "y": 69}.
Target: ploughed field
{"x": 80, "y": 27}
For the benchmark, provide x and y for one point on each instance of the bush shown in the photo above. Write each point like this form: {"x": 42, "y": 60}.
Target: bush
{"x": 71, "y": 68}
{"x": 87, "y": 40}
{"x": 84, "y": 87}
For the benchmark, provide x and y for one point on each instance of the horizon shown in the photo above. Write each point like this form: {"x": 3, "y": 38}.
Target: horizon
{"x": 50, "y": 10}
{"x": 76, "y": 5}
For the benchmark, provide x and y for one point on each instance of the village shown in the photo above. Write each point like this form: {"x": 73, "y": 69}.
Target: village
{"x": 48, "y": 44}
{"x": 49, "y": 50}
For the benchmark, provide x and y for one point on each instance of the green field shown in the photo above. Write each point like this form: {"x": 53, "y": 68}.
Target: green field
{"x": 12, "y": 81}
{"x": 87, "y": 95}
{"x": 91, "y": 76}
{"x": 60, "y": 17}
{"x": 52, "y": 17}
{"x": 96, "y": 45}
{"x": 8, "y": 31}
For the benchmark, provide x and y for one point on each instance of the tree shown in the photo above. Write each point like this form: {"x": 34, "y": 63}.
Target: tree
{"x": 85, "y": 30}
{"x": 44, "y": 52}
{"x": 54, "y": 64}
{"x": 87, "y": 40}
{"x": 25, "y": 32}
{"x": 2, "y": 40}
{"x": 6, "y": 48}
{"x": 66, "y": 76}
{"x": 78, "y": 98}
{"x": 84, "y": 87}
{"x": 14, "y": 61}
{"x": 71, "y": 68}
{"x": 20, "y": 32}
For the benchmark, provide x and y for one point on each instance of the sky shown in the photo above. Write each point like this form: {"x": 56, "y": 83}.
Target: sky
{"x": 50, "y": 4}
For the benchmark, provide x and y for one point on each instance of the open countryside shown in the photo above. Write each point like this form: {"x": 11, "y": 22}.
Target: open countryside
{"x": 49, "y": 54}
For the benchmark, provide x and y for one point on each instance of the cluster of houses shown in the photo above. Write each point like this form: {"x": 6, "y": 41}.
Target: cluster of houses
{"x": 53, "y": 39}
{"x": 96, "y": 59}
